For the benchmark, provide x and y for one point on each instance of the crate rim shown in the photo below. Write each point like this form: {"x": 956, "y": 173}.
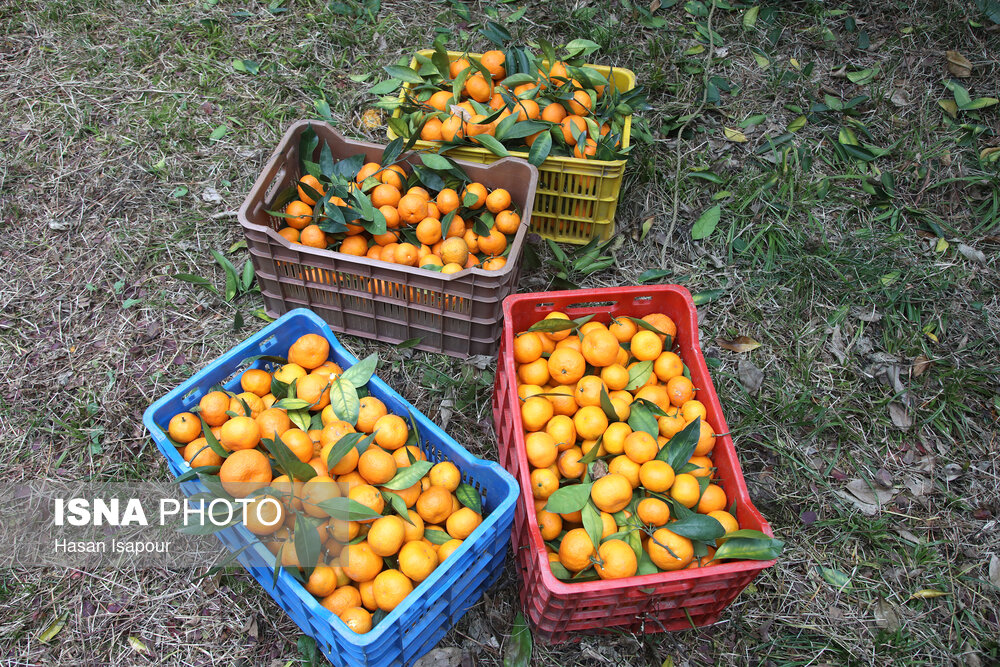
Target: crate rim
{"x": 536, "y": 545}
{"x": 556, "y": 159}
{"x": 260, "y": 185}
{"x": 378, "y": 630}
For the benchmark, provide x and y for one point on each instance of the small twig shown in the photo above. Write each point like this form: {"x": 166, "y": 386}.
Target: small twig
{"x": 680, "y": 137}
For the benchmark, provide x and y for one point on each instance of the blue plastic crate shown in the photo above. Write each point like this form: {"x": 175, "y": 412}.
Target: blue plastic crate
{"x": 435, "y": 605}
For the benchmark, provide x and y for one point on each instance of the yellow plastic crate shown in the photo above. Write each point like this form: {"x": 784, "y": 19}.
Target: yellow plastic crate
{"x": 576, "y": 199}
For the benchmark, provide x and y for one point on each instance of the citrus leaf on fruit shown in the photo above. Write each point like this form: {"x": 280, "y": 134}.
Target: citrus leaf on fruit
{"x": 518, "y": 653}
{"x": 360, "y": 373}
{"x": 608, "y": 406}
{"x": 492, "y": 145}
{"x": 749, "y": 548}
{"x": 291, "y": 404}
{"x": 212, "y": 441}
{"x": 591, "y": 454}
{"x": 214, "y": 486}
{"x": 638, "y": 375}
{"x": 560, "y": 571}
{"x": 558, "y": 324}
{"x": 408, "y": 476}
{"x": 287, "y": 461}
{"x": 568, "y": 499}
{"x": 194, "y": 472}
{"x": 592, "y": 523}
{"x": 641, "y": 419}
{"x": 643, "y": 324}
{"x": 748, "y": 533}
{"x": 347, "y": 509}
{"x": 343, "y": 446}
{"x": 435, "y": 161}
{"x": 679, "y": 448}
{"x": 438, "y": 537}
{"x": 540, "y": 149}
{"x": 398, "y": 504}
{"x": 468, "y": 496}
{"x": 697, "y": 527}
{"x": 307, "y": 544}
{"x": 403, "y": 73}
{"x": 344, "y": 400}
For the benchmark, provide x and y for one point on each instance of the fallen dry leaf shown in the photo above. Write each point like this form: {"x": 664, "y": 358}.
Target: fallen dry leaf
{"x": 920, "y": 365}
{"x": 899, "y": 98}
{"x": 972, "y": 254}
{"x": 927, "y": 593}
{"x": 450, "y": 656}
{"x": 958, "y": 64}
{"x": 751, "y": 376}
{"x": 734, "y": 135}
{"x": 738, "y": 344}
{"x": 371, "y": 119}
{"x": 900, "y": 417}
{"x": 886, "y": 616}
{"x": 994, "y": 571}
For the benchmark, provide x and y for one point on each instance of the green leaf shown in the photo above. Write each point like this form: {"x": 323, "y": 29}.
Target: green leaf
{"x": 797, "y": 124}
{"x": 679, "y": 448}
{"x": 641, "y": 419}
{"x": 862, "y": 77}
{"x": 408, "y": 476}
{"x": 360, "y": 373}
{"x": 210, "y": 438}
{"x": 246, "y": 66}
{"x": 492, "y": 145}
{"x": 706, "y": 223}
{"x": 706, "y": 296}
{"x": 646, "y": 564}
{"x": 518, "y": 651}
{"x": 196, "y": 280}
{"x": 403, "y": 73}
{"x": 559, "y": 324}
{"x": 608, "y": 406}
{"x": 344, "y": 400}
{"x": 540, "y": 149}
{"x": 344, "y": 445}
{"x": 291, "y": 404}
{"x": 307, "y": 544}
{"x": 652, "y": 275}
{"x": 639, "y": 374}
{"x": 568, "y": 499}
{"x": 980, "y": 103}
{"x": 398, "y": 504}
{"x": 750, "y": 17}
{"x": 592, "y": 523}
{"x": 219, "y": 132}
{"x": 697, "y": 527}
{"x": 287, "y": 461}
{"x": 347, "y": 509}
{"x": 747, "y": 548}
{"x": 836, "y": 578}
{"x": 179, "y": 191}
{"x": 435, "y": 161}
{"x": 468, "y": 496}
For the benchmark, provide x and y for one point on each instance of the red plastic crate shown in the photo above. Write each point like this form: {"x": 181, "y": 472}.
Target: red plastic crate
{"x": 649, "y": 603}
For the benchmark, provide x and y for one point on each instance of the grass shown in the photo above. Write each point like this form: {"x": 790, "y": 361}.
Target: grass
{"x": 836, "y": 265}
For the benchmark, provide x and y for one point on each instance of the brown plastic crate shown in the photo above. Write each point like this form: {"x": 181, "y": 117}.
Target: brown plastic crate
{"x": 457, "y": 314}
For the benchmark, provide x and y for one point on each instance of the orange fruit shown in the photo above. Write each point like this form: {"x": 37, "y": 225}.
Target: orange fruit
{"x": 646, "y": 345}
{"x": 240, "y": 433}
{"x": 431, "y": 131}
{"x": 368, "y": 496}
{"x": 693, "y": 408}
{"x": 264, "y": 515}
{"x": 441, "y": 100}
{"x": 615, "y": 376}
{"x": 359, "y": 562}
{"x": 656, "y": 476}
{"x": 377, "y": 466}
{"x": 588, "y": 390}
{"x": 680, "y": 390}
{"x": 566, "y": 366}
{"x": 185, "y": 426}
{"x": 341, "y": 599}
{"x": 494, "y": 243}
{"x": 587, "y": 149}
{"x": 309, "y": 351}
{"x": 498, "y": 200}
{"x": 371, "y": 410}
{"x": 493, "y": 61}
{"x": 663, "y": 324}
{"x": 563, "y": 431}
{"x": 357, "y": 619}
{"x": 299, "y": 443}
{"x": 391, "y": 432}
{"x": 312, "y": 182}
{"x": 313, "y": 236}
{"x": 669, "y": 551}
{"x": 404, "y": 454}
{"x": 478, "y": 87}
{"x": 273, "y": 421}
{"x": 562, "y": 333}
{"x": 412, "y": 208}
{"x": 569, "y": 463}
{"x": 615, "y": 560}
{"x": 672, "y": 424}
{"x": 590, "y": 422}
{"x": 289, "y": 233}
{"x": 213, "y": 407}
{"x": 549, "y": 524}
{"x": 641, "y": 447}
{"x": 393, "y": 175}
{"x": 454, "y": 251}
{"x": 317, "y": 490}
{"x": 713, "y": 499}
{"x": 536, "y": 412}
{"x": 600, "y": 348}
{"x": 727, "y": 520}
{"x": 527, "y": 347}
{"x": 462, "y": 522}
{"x": 563, "y": 400}
{"x": 704, "y": 464}
{"x": 197, "y": 453}
{"x": 302, "y": 213}
{"x": 581, "y": 103}
{"x": 367, "y": 170}
{"x": 448, "y": 548}
{"x": 629, "y": 469}
{"x": 614, "y": 437}
{"x": 445, "y": 474}
{"x": 568, "y": 123}
{"x": 706, "y": 440}
{"x": 541, "y": 449}
{"x": 386, "y": 535}
{"x": 544, "y": 482}
{"x": 611, "y": 493}
{"x": 527, "y": 110}
{"x": 686, "y": 490}
{"x": 322, "y": 582}
{"x": 417, "y": 560}
{"x": 414, "y": 529}
{"x": 447, "y": 201}
{"x": 429, "y": 231}
{"x": 554, "y": 113}
{"x": 390, "y": 588}
{"x": 434, "y": 505}
{"x": 652, "y": 511}
{"x": 668, "y": 365}
{"x": 507, "y": 222}
{"x": 245, "y": 471}
{"x": 256, "y": 381}
{"x": 576, "y": 550}
{"x": 452, "y": 129}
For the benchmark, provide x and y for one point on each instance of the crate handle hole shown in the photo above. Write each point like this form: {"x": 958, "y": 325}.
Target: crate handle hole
{"x": 593, "y": 304}
{"x": 643, "y": 299}
{"x": 268, "y": 342}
